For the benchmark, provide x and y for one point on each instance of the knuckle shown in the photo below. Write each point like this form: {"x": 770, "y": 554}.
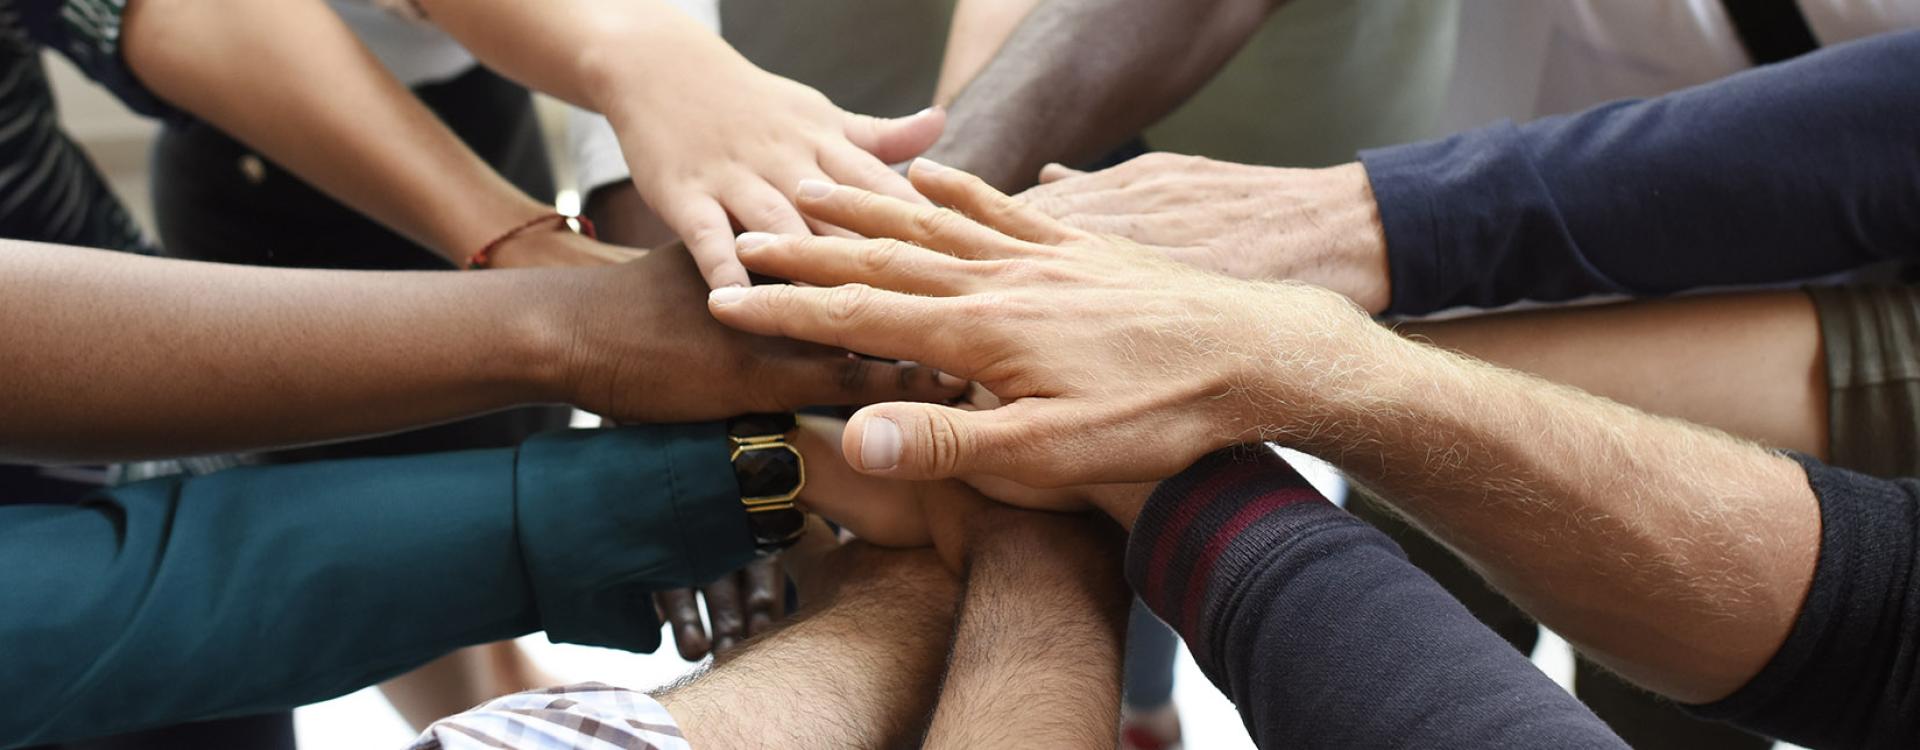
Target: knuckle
{"x": 848, "y": 304}
{"x": 945, "y": 444}
{"x": 877, "y": 256}
{"x": 934, "y": 222}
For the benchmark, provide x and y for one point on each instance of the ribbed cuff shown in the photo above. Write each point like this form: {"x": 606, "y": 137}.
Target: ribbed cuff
{"x": 606, "y": 517}
{"x": 1204, "y": 530}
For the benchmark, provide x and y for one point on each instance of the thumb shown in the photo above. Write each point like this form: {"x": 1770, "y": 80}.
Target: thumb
{"x": 929, "y": 441}
{"x": 1056, "y": 172}
{"x": 898, "y": 139}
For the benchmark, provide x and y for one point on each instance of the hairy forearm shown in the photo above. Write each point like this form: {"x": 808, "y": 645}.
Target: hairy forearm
{"x": 115, "y": 357}
{"x": 1037, "y": 652}
{"x": 1079, "y": 77}
{"x": 1674, "y": 554}
{"x": 1749, "y": 364}
{"x": 291, "y": 80}
{"x": 855, "y": 668}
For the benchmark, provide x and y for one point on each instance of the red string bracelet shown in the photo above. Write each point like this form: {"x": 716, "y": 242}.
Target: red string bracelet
{"x": 484, "y": 258}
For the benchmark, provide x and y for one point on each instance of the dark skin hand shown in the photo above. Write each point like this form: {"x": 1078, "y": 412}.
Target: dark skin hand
{"x": 740, "y": 605}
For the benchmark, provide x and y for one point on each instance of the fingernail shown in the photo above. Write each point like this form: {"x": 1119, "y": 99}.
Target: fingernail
{"x": 929, "y": 166}
{"x": 880, "y": 445}
{"x": 727, "y": 295}
{"x": 949, "y": 381}
{"x": 751, "y": 240}
{"x": 814, "y": 189}
{"x": 928, "y": 111}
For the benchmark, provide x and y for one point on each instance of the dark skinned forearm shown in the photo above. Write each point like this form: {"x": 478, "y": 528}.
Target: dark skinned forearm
{"x": 1079, "y": 77}
{"x": 110, "y": 356}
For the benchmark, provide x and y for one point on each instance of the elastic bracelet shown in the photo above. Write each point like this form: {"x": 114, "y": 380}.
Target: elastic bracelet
{"x": 484, "y": 258}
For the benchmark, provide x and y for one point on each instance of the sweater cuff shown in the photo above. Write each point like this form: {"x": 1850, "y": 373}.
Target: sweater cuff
{"x": 1467, "y": 222}
{"x": 607, "y": 517}
{"x": 1204, "y": 531}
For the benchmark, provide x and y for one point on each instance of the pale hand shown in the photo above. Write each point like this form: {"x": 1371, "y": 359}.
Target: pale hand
{"x": 1114, "y": 363}
{"x": 723, "y": 143}
{"x": 1321, "y": 226}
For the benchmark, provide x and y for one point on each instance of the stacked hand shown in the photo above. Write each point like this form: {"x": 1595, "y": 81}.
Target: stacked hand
{"x": 1321, "y": 226}
{"x": 722, "y": 143}
{"x": 1114, "y": 363}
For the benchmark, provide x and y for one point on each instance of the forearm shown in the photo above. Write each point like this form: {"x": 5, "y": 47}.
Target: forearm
{"x": 594, "y": 54}
{"x": 1037, "y": 652}
{"x": 1749, "y": 364}
{"x": 1673, "y": 554}
{"x": 1296, "y": 610}
{"x": 291, "y": 80}
{"x": 252, "y": 590}
{"x": 857, "y": 666}
{"x": 116, "y": 357}
{"x": 1631, "y": 198}
{"x": 1079, "y": 77}
{"x": 979, "y": 28}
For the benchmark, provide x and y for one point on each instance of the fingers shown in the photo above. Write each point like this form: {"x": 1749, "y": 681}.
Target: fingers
{"x": 887, "y": 264}
{"x": 925, "y": 441}
{"x": 875, "y": 215}
{"x": 854, "y": 317}
{"x": 760, "y": 208}
{"x": 899, "y": 139}
{"x": 972, "y": 196}
{"x": 1056, "y": 172}
{"x": 725, "y": 612}
{"x": 856, "y": 168}
{"x": 683, "y": 613}
{"x": 703, "y": 225}
{"x": 765, "y": 595}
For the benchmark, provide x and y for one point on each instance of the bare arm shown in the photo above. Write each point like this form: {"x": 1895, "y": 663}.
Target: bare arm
{"x": 979, "y": 28}
{"x": 710, "y": 139}
{"x": 1037, "y": 652}
{"x": 1079, "y": 77}
{"x": 858, "y": 666}
{"x": 1749, "y": 364}
{"x": 291, "y": 80}
{"x": 110, "y": 356}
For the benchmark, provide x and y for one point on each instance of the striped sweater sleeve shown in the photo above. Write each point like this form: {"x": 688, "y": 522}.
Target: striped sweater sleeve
{"x": 1321, "y": 632}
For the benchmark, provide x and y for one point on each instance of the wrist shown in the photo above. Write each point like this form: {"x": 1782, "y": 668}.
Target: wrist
{"x": 539, "y": 331}
{"x": 629, "y": 70}
{"x": 1345, "y": 219}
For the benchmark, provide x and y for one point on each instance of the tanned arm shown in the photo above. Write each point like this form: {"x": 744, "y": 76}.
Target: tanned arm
{"x": 291, "y": 80}
{"x": 1749, "y": 364}
{"x": 858, "y": 666}
{"x": 1037, "y": 653}
{"x": 1079, "y": 77}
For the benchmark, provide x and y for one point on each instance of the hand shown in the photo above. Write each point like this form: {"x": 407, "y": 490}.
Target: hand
{"x": 905, "y": 514}
{"x": 1115, "y": 363}
{"x": 1320, "y": 226}
{"x": 721, "y": 142}
{"x": 633, "y": 344}
{"x": 740, "y": 605}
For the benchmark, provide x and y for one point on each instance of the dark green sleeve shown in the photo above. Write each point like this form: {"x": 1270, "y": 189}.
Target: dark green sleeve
{"x": 265, "y": 588}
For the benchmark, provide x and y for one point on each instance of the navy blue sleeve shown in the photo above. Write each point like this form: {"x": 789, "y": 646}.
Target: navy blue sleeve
{"x": 1322, "y": 632}
{"x": 1780, "y": 173}
{"x": 1848, "y": 674}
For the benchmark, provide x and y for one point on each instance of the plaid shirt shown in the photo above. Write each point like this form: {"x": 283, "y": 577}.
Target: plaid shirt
{"x": 588, "y": 715}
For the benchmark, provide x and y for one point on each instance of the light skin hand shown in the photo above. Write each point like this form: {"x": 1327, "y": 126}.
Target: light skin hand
{"x": 1321, "y": 226}
{"x": 1114, "y": 363}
